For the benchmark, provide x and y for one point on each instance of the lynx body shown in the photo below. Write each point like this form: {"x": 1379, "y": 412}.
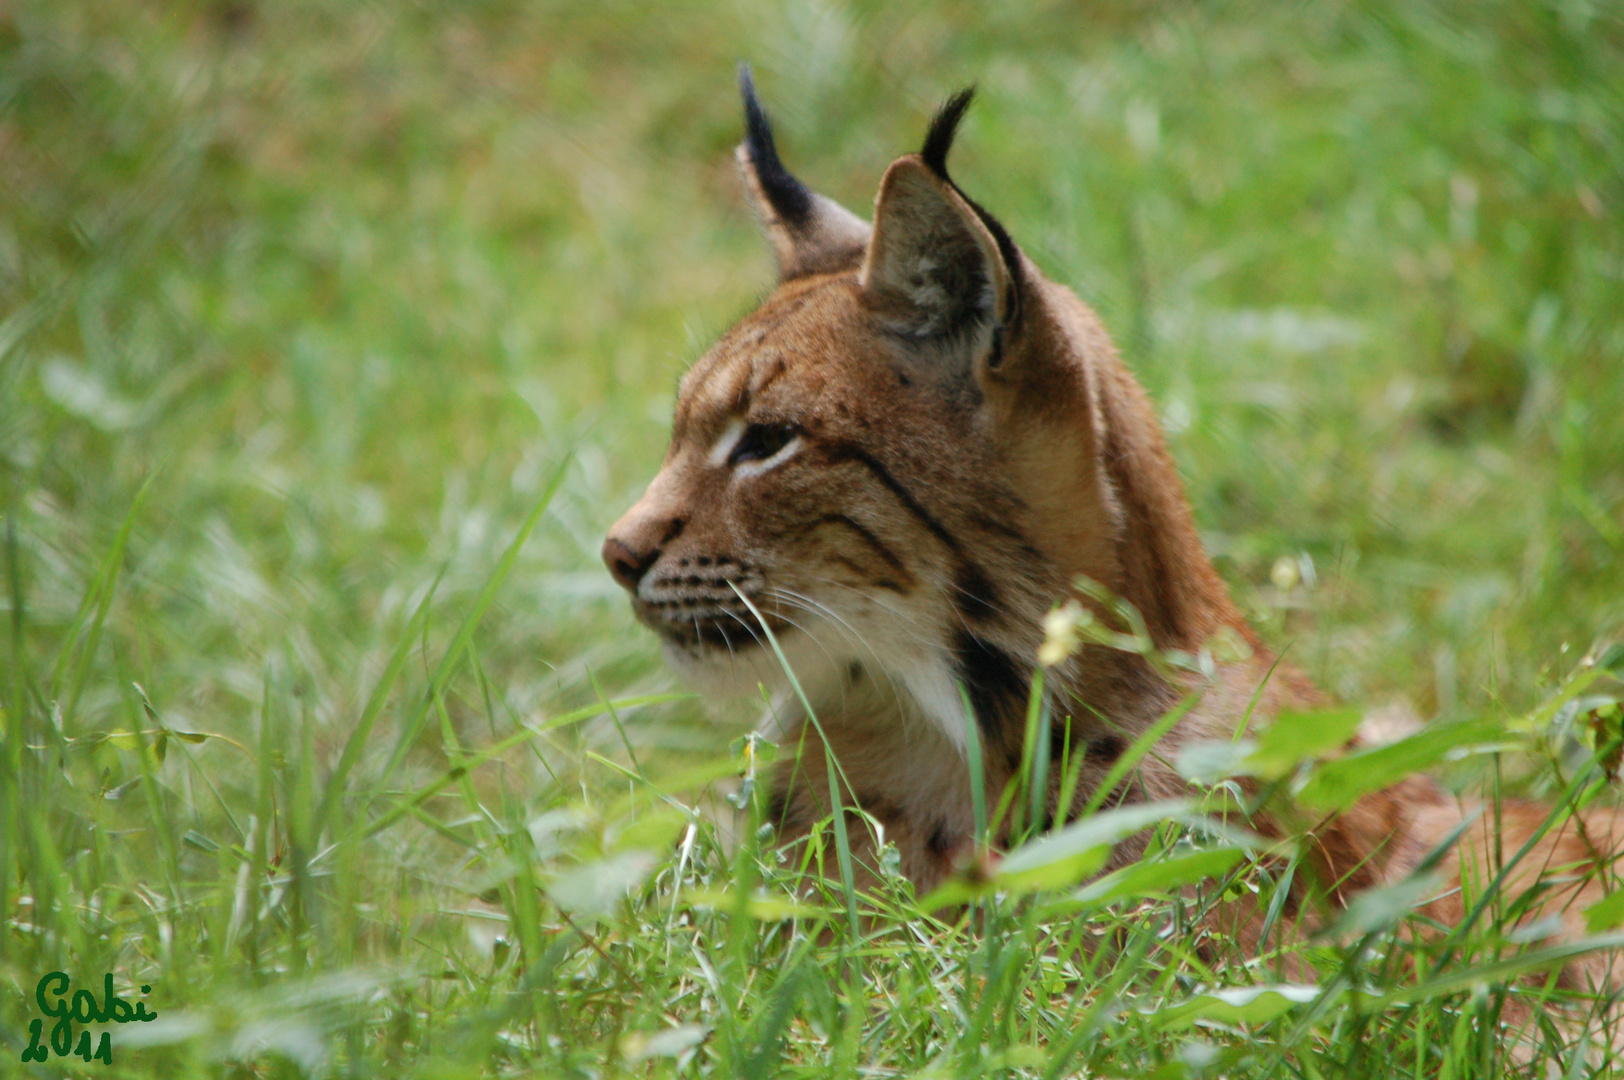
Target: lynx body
{"x": 904, "y": 460}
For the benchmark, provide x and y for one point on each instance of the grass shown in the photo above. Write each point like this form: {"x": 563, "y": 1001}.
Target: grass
{"x": 333, "y": 337}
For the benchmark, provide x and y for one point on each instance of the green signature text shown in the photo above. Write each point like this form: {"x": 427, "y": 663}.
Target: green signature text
{"x": 82, "y": 1008}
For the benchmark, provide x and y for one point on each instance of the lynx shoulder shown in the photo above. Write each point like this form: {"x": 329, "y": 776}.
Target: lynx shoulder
{"x": 900, "y": 463}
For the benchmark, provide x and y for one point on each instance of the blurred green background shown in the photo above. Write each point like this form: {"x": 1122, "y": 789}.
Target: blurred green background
{"x": 344, "y": 281}
{"x": 302, "y": 304}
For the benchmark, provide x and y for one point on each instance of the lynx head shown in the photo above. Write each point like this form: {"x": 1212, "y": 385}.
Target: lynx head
{"x": 900, "y": 460}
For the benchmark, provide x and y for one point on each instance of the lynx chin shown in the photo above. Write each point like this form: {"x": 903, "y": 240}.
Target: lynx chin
{"x": 910, "y": 463}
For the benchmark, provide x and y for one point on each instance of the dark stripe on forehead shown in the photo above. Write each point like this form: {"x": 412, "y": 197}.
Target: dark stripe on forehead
{"x": 747, "y": 334}
{"x": 695, "y": 390}
{"x": 765, "y": 372}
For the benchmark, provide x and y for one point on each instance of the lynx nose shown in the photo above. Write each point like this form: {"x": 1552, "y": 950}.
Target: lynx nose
{"x": 635, "y": 544}
{"x": 627, "y": 566}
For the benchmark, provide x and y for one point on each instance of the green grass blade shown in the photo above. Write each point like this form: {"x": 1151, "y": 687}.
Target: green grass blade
{"x": 831, "y": 764}
{"x": 465, "y": 631}
{"x": 496, "y": 750}
{"x": 100, "y": 598}
{"x": 1137, "y": 751}
{"x": 361, "y": 734}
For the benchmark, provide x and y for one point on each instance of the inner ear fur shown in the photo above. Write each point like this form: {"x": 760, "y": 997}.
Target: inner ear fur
{"x": 933, "y": 269}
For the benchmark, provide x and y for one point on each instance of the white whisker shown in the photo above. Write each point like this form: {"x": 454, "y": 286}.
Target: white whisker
{"x": 855, "y": 636}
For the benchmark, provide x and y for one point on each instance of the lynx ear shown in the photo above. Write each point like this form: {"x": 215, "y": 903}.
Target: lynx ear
{"x": 937, "y": 265}
{"x": 809, "y": 233}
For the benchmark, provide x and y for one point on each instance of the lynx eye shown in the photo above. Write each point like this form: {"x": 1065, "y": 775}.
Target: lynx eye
{"x": 760, "y": 442}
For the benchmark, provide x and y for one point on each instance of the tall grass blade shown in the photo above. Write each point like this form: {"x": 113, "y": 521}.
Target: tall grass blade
{"x": 453, "y": 655}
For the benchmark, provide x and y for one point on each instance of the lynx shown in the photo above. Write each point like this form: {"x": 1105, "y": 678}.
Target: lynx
{"x": 899, "y": 464}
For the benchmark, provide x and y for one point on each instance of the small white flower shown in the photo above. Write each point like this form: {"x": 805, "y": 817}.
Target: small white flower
{"x": 1062, "y": 632}
{"x": 1285, "y": 573}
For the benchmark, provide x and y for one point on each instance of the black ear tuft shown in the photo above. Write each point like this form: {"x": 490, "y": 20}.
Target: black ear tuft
{"x": 790, "y": 199}
{"x": 939, "y": 140}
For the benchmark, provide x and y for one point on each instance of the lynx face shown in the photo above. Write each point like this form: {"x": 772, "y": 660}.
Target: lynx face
{"x": 842, "y": 484}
